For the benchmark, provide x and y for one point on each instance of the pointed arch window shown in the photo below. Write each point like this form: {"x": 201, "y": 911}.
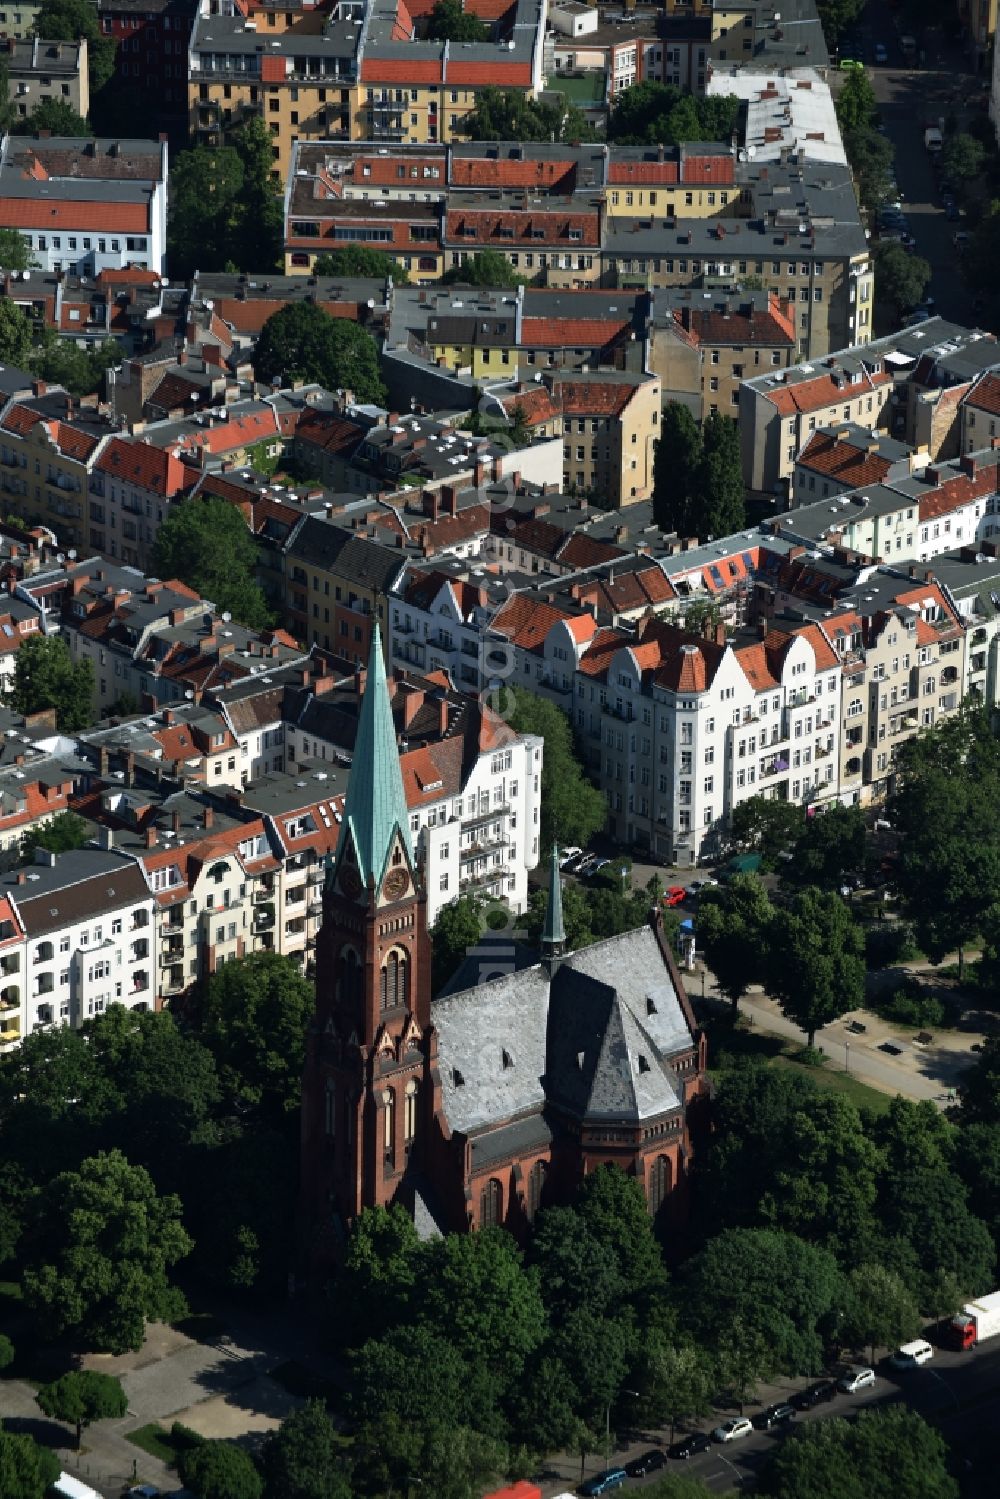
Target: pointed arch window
{"x": 395, "y": 980}
{"x": 491, "y": 1204}
{"x": 410, "y": 1111}
{"x": 349, "y": 977}
{"x": 536, "y": 1187}
{"x": 330, "y": 1102}
{"x": 389, "y": 1125}
{"x": 659, "y": 1183}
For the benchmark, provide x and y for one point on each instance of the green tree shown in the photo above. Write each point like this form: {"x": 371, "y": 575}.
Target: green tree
{"x": 60, "y": 833}
{"x": 449, "y": 22}
{"x": 27, "y": 1470}
{"x": 205, "y": 543}
{"x": 485, "y": 268}
{"x": 360, "y": 260}
{"x": 305, "y": 342}
{"x": 576, "y": 915}
{"x": 773, "y": 1283}
{"x": 719, "y": 481}
{"x": 815, "y": 960}
{"x": 651, "y": 113}
{"x": 257, "y": 241}
{"x": 766, "y": 825}
{"x": 60, "y": 361}
{"x": 218, "y": 1470}
{"x": 946, "y": 809}
{"x": 82, "y": 1397}
{"x": 15, "y": 252}
{"x": 613, "y": 1207}
{"x": 46, "y": 676}
{"x": 963, "y": 157}
{"x": 67, "y": 21}
{"x": 676, "y": 467}
{"x": 302, "y": 1459}
{"x": 856, "y": 105}
{"x": 103, "y": 1243}
{"x": 880, "y": 1311}
{"x": 478, "y": 1295}
{"x": 55, "y": 115}
{"x": 979, "y": 1086}
{"x": 205, "y": 209}
{"x": 675, "y": 1378}
{"x": 377, "y": 1283}
{"x": 452, "y": 1463}
{"x": 733, "y": 925}
{"x": 254, "y": 1017}
{"x": 510, "y": 115}
{"x": 416, "y": 1375}
{"x": 6, "y": 1351}
{"x": 15, "y": 334}
{"x": 830, "y": 847}
{"x": 458, "y": 928}
{"x": 573, "y": 810}
{"x": 888, "y": 1450}
{"x": 871, "y": 158}
{"x": 900, "y": 278}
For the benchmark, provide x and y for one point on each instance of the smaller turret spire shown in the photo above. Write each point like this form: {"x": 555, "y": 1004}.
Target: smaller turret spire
{"x": 554, "y": 932}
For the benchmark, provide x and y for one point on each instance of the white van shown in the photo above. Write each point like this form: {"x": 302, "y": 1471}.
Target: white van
{"x": 68, "y": 1487}
{"x": 912, "y": 1355}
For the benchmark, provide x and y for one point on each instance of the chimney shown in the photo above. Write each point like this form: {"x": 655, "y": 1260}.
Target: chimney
{"x": 442, "y": 715}
{"x": 103, "y": 760}
{"x": 208, "y": 817}
{"x": 449, "y": 498}
{"x": 151, "y": 837}
{"x": 22, "y": 878}
{"x": 38, "y": 387}
{"x": 432, "y": 503}
{"x": 413, "y": 701}
{"x": 968, "y": 465}
{"x": 129, "y": 768}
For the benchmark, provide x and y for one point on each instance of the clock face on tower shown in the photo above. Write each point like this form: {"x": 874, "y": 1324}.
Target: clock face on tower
{"x": 396, "y": 883}
{"x": 350, "y": 881}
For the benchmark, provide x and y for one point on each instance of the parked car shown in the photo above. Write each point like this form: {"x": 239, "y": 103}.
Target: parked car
{"x": 697, "y": 887}
{"x": 612, "y": 1479}
{"x": 953, "y": 213}
{"x": 819, "y": 1393}
{"x": 774, "y": 1415}
{"x": 856, "y": 1027}
{"x": 580, "y": 866}
{"x": 960, "y": 239}
{"x": 855, "y": 1380}
{"x": 732, "y": 1431}
{"x": 912, "y": 1355}
{"x": 649, "y": 1462}
{"x": 597, "y": 866}
{"x": 690, "y": 1446}
{"x": 569, "y": 854}
{"x": 674, "y": 895}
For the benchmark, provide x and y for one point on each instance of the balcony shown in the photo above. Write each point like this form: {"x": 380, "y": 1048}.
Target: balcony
{"x": 172, "y": 981}
{"x": 500, "y": 810}
{"x": 776, "y": 767}
{"x": 263, "y": 918}
{"x": 315, "y": 908}
{"x": 317, "y": 876}
{"x": 261, "y": 894}
{"x": 171, "y": 955}
{"x": 10, "y": 963}
{"x": 140, "y": 982}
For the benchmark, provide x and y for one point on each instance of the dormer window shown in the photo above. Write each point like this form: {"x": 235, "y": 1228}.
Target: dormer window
{"x": 507, "y": 1060}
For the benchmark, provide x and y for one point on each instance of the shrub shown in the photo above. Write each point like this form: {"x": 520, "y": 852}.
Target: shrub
{"x": 919, "y": 1010}
{"x": 889, "y": 943}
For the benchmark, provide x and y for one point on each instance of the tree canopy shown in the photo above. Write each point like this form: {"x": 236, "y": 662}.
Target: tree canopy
{"x": 510, "y": 115}
{"x": 887, "y": 1450}
{"x": 68, "y": 21}
{"x": 254, "y": 1017}
{"x": 302, "y": 1459}
{"x": 46, "y": 676}
{"x": 733, "y": 925}
{"x": 659, "y": 113}
{"x": 205, "y": 543}
{"x": 360, "y": 260}
{"x": 698, "y": 475}
{"x": 104, "y": 1242}
{"x": 82, "y": 1397}
{"x": 485, "y": 268}
{"x": 65, "y": 831}
{"x": 457, "y": 928}
{"x": 572, "y": 808}
{"x": 302, "y": 341}
{"x": 219, "y": 1470}
{"x": 815, "y": 960}
{"x": 27, "y": 1470}
{"x": 900, "y": 278}
{"x": 15, "y": 252}
{"x": 448, "y": 22}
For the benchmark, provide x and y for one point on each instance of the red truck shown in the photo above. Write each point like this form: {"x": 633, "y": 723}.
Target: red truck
{"x": 977, "y": 1321}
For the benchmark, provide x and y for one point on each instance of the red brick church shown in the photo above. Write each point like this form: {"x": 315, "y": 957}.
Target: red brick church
{"x": 501, "y": 1094}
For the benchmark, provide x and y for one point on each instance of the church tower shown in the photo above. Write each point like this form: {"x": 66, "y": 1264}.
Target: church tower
{"x": 367, "y": 1105}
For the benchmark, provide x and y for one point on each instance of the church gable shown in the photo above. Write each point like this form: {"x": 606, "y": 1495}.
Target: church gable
{"x": 491, "y": 1049}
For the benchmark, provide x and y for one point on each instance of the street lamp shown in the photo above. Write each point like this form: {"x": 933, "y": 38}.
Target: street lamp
{"x": 607, "y": 1426}
{"x": 847, "y": 1056}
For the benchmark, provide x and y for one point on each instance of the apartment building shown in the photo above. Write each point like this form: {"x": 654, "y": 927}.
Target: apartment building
{"x": 39, "y": 70}
{"x": 703, "y": 344}
{"x": 680, "y": 729}
{"x": 782, "y": 112}
{"x": 11, "y": 975}
{"x": 19, "y": 19}
{"x": 151, "y": 38}
{"x": 913, "y": 384}
{"x": 34, "y": 788}
{"x": 559, "y": 241}
{"x": 103, "y": 205}
{"x": 48, "y": 449}
{"x": 130, "y": 490}
{"x": 336, "y": 584}
{"x": 696, "y": 180}
{"x": 87, "y": 918}
{"x": 610, "y": 424}
{"x": 837, "y": 460}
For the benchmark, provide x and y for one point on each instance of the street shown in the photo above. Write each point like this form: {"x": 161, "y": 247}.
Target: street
{"x": 946, "y": 86}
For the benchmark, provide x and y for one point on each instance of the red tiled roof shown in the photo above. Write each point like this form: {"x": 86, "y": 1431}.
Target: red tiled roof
{"x": 811, "y": 395}
{"x": 479, "y": 171}
{"x": 526, "y": 621}
{"x": 843, "y": 461}
{"x": 556, "y": 225}
{"x": 129, "y": 275}
{"x": 47, "y": 213}
{"x": 400, "y": 70}
{"x": 536, "y": 406}
{"x": 498, "y": 74}
{"x": 273, "y": 69}
{"x": 594, "y": 397}
{"x": 741, "y": 328}
{"x": 961, "y": 490}
{"x": 985, "y": 395}
{"x": 713, "y": 171}
{"x": 146, "y": 466}
{"x": 571, "y": 333}
{"x": 587, "y": 551}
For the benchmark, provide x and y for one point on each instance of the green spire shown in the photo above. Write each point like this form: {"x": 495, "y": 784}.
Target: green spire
{"x": 375, "y": 806}
{"x": 554, "y": 933}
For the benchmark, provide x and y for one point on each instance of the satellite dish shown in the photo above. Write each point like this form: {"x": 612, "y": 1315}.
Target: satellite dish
{"x": 60, "y": 556}
{"x": 226, "y": 618}
{"x": 189, "y": 694}
{"x": 71, "y": 556}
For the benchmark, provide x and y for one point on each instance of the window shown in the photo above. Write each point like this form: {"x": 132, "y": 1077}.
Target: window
{"x": 491, "y": 1204}
{"x": 330, "y": 1114}
{"x": 536, "y": 1187}
{"x": 659, "y": 1183}
{"x": 389, "y": 1125}
{"x": 395, "y": 985}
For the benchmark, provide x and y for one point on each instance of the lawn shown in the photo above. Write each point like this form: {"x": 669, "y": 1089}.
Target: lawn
{"x": 727, "y": 1044}
{"x": 159, "y": 1442}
